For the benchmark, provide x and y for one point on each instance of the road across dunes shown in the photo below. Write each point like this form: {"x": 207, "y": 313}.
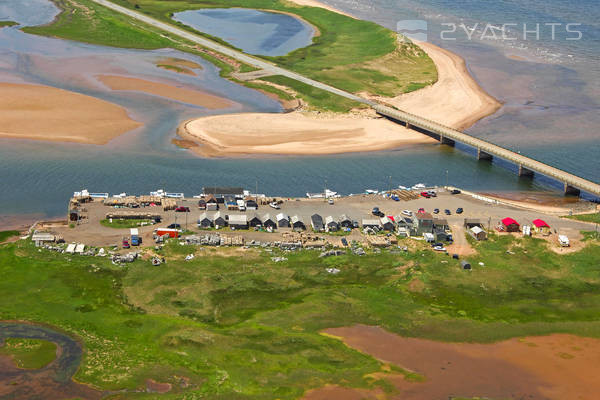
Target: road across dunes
{"x": 572, "y": 183}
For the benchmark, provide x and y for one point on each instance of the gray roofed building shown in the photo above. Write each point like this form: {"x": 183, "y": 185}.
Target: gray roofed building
{"x": 331, "y": 225}
{"x": 219, "y": 219}
{"x": 283, "y": 221}
{"x": 345, "y": 222}
{"x": 316, "y": 221}
{"x": 205, "y": 221}
{"x": 238, "y": 221}
{"x": 297, "y": 223}
{"x": 269, "y": 222}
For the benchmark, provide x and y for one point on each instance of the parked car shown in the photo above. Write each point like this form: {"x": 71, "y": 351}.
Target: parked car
{"x": 408, "y": 213}
{"x": 330, "y": 201}
{"x": 174, "y": 226}
{"x": 126, "y": 244}
{"x": 432, "y": 193}
{"x": 455, "y": 191}
{"x": 425, "y": 194}
{"x": 182, "y": 209}
{"x": 274, "y": 205}
{"x": 447, "y": 212}
{"x": 421, "y": 210}
{"x": 345, "y": 242}
{"x": 355, "y": 224}
{"x": 436, "y": 211}
{"x": 459, "y": 210}
{"x": 377, "y": 211}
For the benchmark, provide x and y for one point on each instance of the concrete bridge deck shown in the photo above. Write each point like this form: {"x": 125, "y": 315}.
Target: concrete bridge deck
{"x": 485, "y": 150}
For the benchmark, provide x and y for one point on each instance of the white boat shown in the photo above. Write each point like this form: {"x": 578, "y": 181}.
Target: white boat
{"x": 419, "y": 186}
{"x": 158, "y": 193}
{"x": 371, "y": 191}
{"x": 328, "y": 194}
{"x": 99, "y": 195}
{"x": 120, "y": 195}
{"x": 402, "y": 187}
{"x": 174, "y": 195}
{"x": 274, "y": 205}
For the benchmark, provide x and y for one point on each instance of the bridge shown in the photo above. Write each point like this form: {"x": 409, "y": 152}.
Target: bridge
{"x": 485, "y": 150}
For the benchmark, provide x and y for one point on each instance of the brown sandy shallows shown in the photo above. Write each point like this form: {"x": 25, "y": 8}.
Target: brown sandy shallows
{"x": 294, "y": 133}
{"x": 47, "y": 113}
{"x": 178, "y": 65}
{"x": 557, "y": 366}
{"x": 172, "y": 92}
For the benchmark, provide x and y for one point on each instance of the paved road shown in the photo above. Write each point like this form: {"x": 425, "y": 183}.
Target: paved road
{"x": 255, "y": 62}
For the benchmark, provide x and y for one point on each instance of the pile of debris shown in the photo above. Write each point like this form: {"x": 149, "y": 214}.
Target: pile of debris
{"x": 124, "y": 258}
{"x": 331, "y": 253}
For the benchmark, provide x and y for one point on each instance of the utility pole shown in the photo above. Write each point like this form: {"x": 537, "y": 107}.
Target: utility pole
{"x": 446, "y": 179}
{"x": 390, "y": 184}
{"x": 256, "y": 192}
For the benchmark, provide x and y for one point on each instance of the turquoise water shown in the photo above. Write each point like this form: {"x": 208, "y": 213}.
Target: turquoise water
{"x": 255, "y": 32}
{"x": 39, "y": 177}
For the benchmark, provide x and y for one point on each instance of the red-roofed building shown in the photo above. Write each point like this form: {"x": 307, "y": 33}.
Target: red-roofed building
{"x": 541, "y": 226}
{"x": 510, "y": 225}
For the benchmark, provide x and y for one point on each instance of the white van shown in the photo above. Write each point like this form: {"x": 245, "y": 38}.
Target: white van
{"x": 563, "y": 241}
{"x": 241, "y": 205}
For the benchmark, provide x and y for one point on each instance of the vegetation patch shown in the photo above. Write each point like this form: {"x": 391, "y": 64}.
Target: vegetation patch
{"x": 5, "y": 235}
{"x": 317, "y": 98}
{"x": 125, "y": 223}
{"x": 7, "y": 23}
{"x": 29, "y": 353}
{"x": 595, "y": 218}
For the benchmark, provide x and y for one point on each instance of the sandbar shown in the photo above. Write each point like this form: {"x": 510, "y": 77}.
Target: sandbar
{"x": 169, "y": 91}
{"x": 47, "y": 113}
{"x": 294, "y": 134}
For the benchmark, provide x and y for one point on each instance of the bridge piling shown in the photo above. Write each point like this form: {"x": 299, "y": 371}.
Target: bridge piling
{"x": 570, "y": 190}
{"x": 482, "y": 155}
{"x": 446, "y": 141}
{"x": 525, "y": 172}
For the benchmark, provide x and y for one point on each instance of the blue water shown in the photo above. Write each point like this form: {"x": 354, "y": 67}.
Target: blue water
{"x": 551, "y": 112}
{"x": 552, "y": 100}
{"x": 255, "y": 32}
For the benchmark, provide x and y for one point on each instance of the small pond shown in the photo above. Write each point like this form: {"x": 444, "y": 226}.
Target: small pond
{"x": 253, "y": 31}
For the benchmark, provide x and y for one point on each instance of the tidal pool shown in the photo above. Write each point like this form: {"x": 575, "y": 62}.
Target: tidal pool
{"x": 255, "y": 32}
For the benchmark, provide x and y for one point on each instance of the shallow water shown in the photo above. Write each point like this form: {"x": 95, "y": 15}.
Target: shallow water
{"x": 255, "y": 32}
{"x": 39, "y": 177}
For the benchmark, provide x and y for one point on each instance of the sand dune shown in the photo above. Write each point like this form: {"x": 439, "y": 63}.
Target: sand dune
{"x": 455, "y": 100}
{"x": 47, "y": 113}
{"x": 172, "y": 92}
{"x": 295, "y": 133}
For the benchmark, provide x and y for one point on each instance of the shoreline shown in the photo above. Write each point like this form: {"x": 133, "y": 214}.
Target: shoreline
{"x": 294, "y": 133}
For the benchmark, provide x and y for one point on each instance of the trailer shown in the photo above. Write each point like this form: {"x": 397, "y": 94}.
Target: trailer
{"x": 172, "y": 233}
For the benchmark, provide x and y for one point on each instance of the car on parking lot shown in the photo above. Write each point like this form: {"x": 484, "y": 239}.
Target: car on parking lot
{"x": 436, "y": 211}
{"x": 126, "y": 244}
{"x": 459, "y": 210}
{"x": 355, "y": 224}
{"x": 274, "y": 205}
{"x": 455, "y": 191}
{"x": 330, "y": 201}
{"x": 408, "y": 213}
{"x": 425, "y": 194}
{"x": 182, "y": 209}
{"x": 447, "y": 212}
{"x": 377, "y": 211}
{"x": 174, "y": 226}
{"x": 421, "y": 210}
{"x": 432, "y": 193}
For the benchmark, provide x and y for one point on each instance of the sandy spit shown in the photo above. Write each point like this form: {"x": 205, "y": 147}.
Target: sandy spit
{"x": 455, "y": 100}
{"x": 47, "y": 113}
{"x": 295, "y": 133}
{"x": 169, "y": 91}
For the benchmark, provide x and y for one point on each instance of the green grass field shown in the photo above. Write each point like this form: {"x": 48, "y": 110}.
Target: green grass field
{"x": 211, "y": 318}
{"x": 29, "y": 353}
{"x": 595, "y": 218}
{"x": 354, "y": 55}
{"x": 124, "y": 223}
{"x": 5, "y": 235}
{"x": 7, "y": 23}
